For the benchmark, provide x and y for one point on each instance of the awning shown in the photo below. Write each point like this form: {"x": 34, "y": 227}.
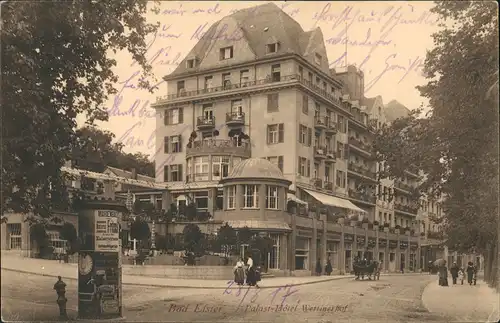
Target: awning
{"x": 292, "y": 197}
{"x": 259, "y": 225}
{"x": 334, "y": 201}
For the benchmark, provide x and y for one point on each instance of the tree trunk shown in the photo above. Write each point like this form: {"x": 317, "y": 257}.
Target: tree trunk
{"x": 494, "y": 266}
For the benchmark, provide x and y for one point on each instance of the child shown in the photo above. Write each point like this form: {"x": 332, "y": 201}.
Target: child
{"x": 461, "y": 276}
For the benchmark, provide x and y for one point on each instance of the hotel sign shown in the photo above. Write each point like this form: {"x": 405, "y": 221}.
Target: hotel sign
{"x": 107, "y": 231}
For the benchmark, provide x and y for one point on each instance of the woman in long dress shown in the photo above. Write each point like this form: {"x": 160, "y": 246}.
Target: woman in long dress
{"x": 443, "y": 275}
{"x": 239, "y": 272}
{"x": 250, "y": 272}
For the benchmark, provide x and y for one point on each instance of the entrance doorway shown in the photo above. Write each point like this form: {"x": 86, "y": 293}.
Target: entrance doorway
{"x": 402, "y": 262}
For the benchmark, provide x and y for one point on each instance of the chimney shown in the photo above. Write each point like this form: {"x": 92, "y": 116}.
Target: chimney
{"x": 134, "y": 173}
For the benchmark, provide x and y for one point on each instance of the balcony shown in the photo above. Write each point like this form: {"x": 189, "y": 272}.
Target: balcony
{"x": 244, "y": 87}
{"x": 331, "y": 157}
{"x": 360, "y": 196}
{"x": 360, "y": 146}
{"x": 320, "y": 152}
{"x": 320, "y": 123}
{"x": 235, "y": 119}
{"x": 205, "y": 124}
{"x": 403, "y": 186}
{"x": 328, "y": 186}
{"x": 317, "y": 182}
{"x": 331, "y": 127}
{"x": 361, "y": 171}
{"x": 219, "y": 146}
{"x": 406, "y": 208}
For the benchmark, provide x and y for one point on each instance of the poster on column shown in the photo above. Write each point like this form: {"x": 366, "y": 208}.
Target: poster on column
{"x": 107, "y": 231}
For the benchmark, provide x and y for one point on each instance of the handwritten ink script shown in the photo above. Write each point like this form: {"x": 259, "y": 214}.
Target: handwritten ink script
{"x": 242, "y": 293}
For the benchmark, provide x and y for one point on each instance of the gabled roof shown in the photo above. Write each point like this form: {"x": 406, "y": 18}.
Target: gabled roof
{"x": 252, "y": 22}
{"x": 123, "y": 173}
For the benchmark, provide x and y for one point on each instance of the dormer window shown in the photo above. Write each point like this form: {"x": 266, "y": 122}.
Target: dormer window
{"x": 317, "y": 58}
{"x": 273, "y": 48}
{"x": 191, "y": 63}
{"x": 226, "y": 53}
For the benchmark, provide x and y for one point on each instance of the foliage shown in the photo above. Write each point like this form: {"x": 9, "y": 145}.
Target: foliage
{"x": 456, "y": 143}
{"x": 55, "y": 58}
{"x": 193, "y": 238}
{"x": 68, "y": 233}
{"x": 139, "y": 229}
{"x": 94, "y": 150}
{"x": 244, "y": 235}
{"x": 226, "y": 238}
{"x": 161, "y": 242}
{"x": 191, "y": 212}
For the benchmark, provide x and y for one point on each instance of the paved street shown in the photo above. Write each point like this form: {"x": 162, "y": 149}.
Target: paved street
{"x": 392, "y": 299}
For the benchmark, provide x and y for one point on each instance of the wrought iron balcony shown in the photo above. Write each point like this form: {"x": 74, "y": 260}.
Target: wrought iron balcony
{"x": 317, "y": 182}
{"x": 366, "y": 148}
{"x": 219, "y": 146}
{"x": 360, "y": 196}
{"x": 406, "y": 208}
{"x": 320, "y": 152}
{"x": 331, "y": 156}
{"x": 320, "y": 123}
{"x": 204, "y": 123}
{"x": 360, "y": 170}
{"x": 403, "y": 186}
{"x": 328, "y": 186}
{"x": 235, "y": 119}
{"x": 331, "y": 127}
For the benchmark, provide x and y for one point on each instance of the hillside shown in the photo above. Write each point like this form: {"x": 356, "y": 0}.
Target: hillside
{"x": 394, "y": 110}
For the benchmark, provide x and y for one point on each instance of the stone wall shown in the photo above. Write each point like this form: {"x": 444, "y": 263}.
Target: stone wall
{"x": 181, "y": 272}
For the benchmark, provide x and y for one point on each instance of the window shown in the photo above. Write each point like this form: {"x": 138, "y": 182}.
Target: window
{"x": 219, "y": 201}
{"x": 341, "y": 123}
{"x": 324, "y": 86}
{"x": 172, "y": 144}
{"x": 273, "y": 48}
{"x": 316, "y": 140}
{"x": 56, "y": 242}
{"x": 302, "y": 134}
{"x": 274, "y": 255}
{"x": 309, "y": 136}
{"x": 231, "y": 193}
{"x": 272, "y": 102}
{"x": 317, "y": 110}
{"x": 276, "y": 73}
{"x": 190, "y": 63}
{"x": 316, "y": 170}
{"x": 208, "y": 112}
{"x": 305, "y": 104}
{"x": 301, "y": 72}
{"x": 226, "y": 79}
{"x": 276, "y": 160}
{"x": 340, "y": 150}
{"x": 328, "y": 144}
{"x": 220, "y": 167}
{"x": 201, "y": 200}
{"x": 208, "y": 82}
{"x": 226, "y": 53}
{"x": 327, "y": 174}
{"x": 310, "y": 76}
{"x": 181, "y": 87}
{"x": 304, "y": 167}
{"x": 340, "y": 179}
{"x": 317, "y": 58}
{"x": 174, "y": 116}
{"x": 244, "y": 78}
{"x": 237, "y": 107}
{"x": 272, "y": 197}
{"x": 14, "y": 231}
{"x": 176, "y": 173}
{"x": 385, "y": 198}
{"x": 275, "y": 133}
{"x": 250, "y": 196}
{"x": 201, "y": 165}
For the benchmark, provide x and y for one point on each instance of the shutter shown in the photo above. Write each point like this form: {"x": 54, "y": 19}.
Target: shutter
{"x": 165, "y": 173}
{"x": 280, "y": 163}
{"x": 181, "y": 177}
{"x": 180, "y": 143}
{"x": 299, "y": 170}
{"x": 281, "y": 132}
{"x": 165, "y": 145}
{"x": 181, "y": 115}
{"x": 308, "y": 170}
{"x": 267, "y": 134}
{"x": 309, "y": 136}
{"x": 165, "y": 117}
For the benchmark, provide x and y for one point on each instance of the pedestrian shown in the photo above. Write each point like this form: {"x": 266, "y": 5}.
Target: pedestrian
{"x": 454, "y": 273}
{"x": 328, "y": 267}
{"x": 474, "y": 278}
{"x": 318, "y": 267}
{"x": 250, "y": 272}
{"x": 239, "y": 272}
{"x": 60, "y": 288}
{"x": 470, "y": 273}
{"x": 402, "y": 267}
{"x": 443, "y": 275}
{"x": 461, "y": 276}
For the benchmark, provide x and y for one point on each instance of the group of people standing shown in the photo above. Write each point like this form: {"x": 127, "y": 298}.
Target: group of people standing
{"x": 457, "y": 273}
{"x": 248, "y": 274}
{"x": 328, "y": 267}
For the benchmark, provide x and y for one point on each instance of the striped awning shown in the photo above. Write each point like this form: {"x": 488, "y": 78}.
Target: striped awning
{"x": 259, "y": 225}
{"x": 334, "y": 201}
{"x": 292, "y": 197}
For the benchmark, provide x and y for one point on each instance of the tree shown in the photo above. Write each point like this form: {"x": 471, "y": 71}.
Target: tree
{"x": 39, "y": 235}
{"x": 193, "y": 238}
{"x": 244, "y": 235}
{"x": 55, "y": 58}
{"x": 226, "y": 238}
{"x": 456, "y": 143}
{"x": 191, "y": 212}
{"x": 139, "y": 230}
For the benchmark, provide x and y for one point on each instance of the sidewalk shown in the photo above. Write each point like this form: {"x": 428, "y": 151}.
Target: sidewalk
{"x": 464, "y": 303}
{"x": 52, "y": 268}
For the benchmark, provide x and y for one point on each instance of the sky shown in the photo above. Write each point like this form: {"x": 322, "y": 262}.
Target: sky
{"x": 388, "y": 41}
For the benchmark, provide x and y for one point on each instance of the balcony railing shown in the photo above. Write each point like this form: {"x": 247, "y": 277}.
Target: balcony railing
{"x": 235, "y": 118}
{"x": 320, "y": 122}
{"x": 403, "y": 186}
{"x": 205, "y": 122}
{"x": 228, "y": 87}
{"x": 317, "y": 182}
{"x": 361, "y": 170}
{"x": 320, "y": 152}
{"x": 331, "y": 156}
{"x": 331, "y": 127}
{"x": 328, "y": 186}
{"x": 359, "y": 144}
{"x": 406, "y": 208}
{"x": 362, "y": 196}
{"x": 219, "y": 146}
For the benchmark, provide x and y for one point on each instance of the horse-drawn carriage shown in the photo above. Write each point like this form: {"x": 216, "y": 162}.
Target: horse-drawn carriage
{"x": 369, "y": 268}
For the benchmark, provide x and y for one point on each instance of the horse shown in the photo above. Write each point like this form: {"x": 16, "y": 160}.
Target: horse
{"x": 368, "y": 268}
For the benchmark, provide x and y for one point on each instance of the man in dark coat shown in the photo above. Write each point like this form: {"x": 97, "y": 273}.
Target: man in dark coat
{"x": 470, "y": 272}
{"x": 328, "y": 267}
{"x": 318, "y": 267}
{"x": 454, "y": 272}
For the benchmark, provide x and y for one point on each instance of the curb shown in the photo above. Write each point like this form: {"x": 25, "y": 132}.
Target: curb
{"x": 210, "y": 287}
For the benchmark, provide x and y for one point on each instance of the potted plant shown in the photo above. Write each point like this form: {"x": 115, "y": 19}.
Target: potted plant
{"x": 365, "y": 223}
{"x": 375, "y": 225}
{"x": 354, "y": 221}
{"x": 386, "y": 227}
